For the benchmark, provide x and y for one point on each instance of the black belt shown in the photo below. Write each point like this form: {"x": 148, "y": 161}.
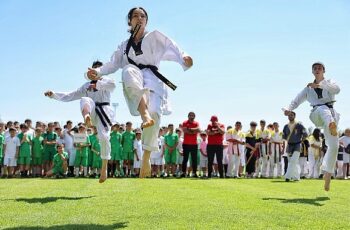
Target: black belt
{"x": 153, "y": 68}
{"x": 326, "y": 104}
{"x": 102, "y": 114}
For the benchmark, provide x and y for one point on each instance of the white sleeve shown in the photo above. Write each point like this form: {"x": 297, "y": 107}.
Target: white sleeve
{"x": 330, "y": 86}
{"x": 135, "y": 144}
{"x": 300, "y": 98}
{"x": 114, "y": 63}
{"x": 106, "y": 83}
{"x": 70, "y": 96}
{"x": 18, "y": 142}
{"x": 169, "y": 50}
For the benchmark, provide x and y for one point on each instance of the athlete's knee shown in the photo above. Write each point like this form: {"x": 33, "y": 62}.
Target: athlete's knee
{"x": 130, "y": 71}
{"x": 85, "y": 103}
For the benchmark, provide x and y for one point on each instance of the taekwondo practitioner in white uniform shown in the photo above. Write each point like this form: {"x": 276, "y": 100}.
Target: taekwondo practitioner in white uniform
{"x": 146, "y": 94}
{"x": 234, "y": 150}
{"x": 321, "y": 95}
{"x": 276, "y": 150}
{"x": 95, "y": 97}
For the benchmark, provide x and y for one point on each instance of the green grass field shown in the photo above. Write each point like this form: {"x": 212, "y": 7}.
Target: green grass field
{"x": 173, "y": 204}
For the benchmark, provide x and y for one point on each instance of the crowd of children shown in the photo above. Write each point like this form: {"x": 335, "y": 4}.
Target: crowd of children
{"x": 49, "y": 150}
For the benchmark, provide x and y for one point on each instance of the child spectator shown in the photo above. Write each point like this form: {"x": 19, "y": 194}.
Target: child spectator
{"x": 24, "y": 150}
{"x": 59, "y": 163}
{"x": 170, "y": 143}
{"x": 11, "y": 151}
{"x": 116, "y": 151}
{"x": 50, "y": 140}
{"x": 96, "y": 155}
{"x": 204, "y": 156}
{"x": 82, "y": 152}
{"x": 37, "y": 153}
{"x": 128, "y": 138}
{"x": 137, "y": 153}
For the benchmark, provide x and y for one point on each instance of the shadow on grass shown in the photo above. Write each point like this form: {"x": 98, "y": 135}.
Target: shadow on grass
{"x": 284, "y": 182}
{"x": 44, "y": 200}
{"x": 74, "y": 227}
{"x": 310, "y": 201}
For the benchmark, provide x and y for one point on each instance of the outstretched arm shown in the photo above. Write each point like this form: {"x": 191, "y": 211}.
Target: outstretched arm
{"x": 110, "y": 67}
{"x": 299, "y": 99}
{"x": 170, "y": 51}
{"x": 66, "y": 96}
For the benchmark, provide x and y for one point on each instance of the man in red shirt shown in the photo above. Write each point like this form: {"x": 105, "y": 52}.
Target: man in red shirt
{"x": 191, "y": 129}
{"x": 215, "y": 133}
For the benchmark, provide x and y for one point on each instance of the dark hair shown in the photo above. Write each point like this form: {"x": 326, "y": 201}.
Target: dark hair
{"x": 191, "y": 113}
{"x": 318, "y": 63}
{"x": 316, "y": 133}
{"x": 292, "y": 112}
{"x": 253, "y": 123}
{"x": 69, "y": 122}
{"x": 27, "y": 120}
{"x": 170, "y": 125}
{"x": 96, "y": 64}
{"x": 23, "y": 126}
{"x": 59, "y": 145}
{"x": 132, "y": 11}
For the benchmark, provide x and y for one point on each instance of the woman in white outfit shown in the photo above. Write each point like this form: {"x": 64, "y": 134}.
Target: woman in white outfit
{"x": 321, "y": 95}
{"x": 139, "y": 58}
{"x": 95, "y": 106}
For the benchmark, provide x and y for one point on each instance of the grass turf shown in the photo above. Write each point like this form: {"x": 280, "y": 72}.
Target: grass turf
{"x": 173, "y": 204}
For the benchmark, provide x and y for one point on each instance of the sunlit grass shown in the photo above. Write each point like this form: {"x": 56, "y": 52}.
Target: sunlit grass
{"x": 172, "y": 204}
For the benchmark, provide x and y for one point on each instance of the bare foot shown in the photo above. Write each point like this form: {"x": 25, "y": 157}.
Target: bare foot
{"x": 145, "y": 172}
{"x": 327, "y": 181}
{"x": 146, "y": 166}
{"x": 103, "y": 176}
{"x": 333, "y": 129}
{"x": 148, "y": 123}
{"x": 87, "y": 120}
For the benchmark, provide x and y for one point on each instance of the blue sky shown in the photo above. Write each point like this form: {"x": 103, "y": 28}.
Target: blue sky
{"x": 250, "y": 57}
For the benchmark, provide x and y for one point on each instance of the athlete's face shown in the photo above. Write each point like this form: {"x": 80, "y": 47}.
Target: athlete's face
{"x": 318, "y": 70}
{"x": 138, "y": 17}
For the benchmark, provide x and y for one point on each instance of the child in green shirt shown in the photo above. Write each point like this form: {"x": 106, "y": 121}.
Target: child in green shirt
{"x": 59, "y": 162}
{"x": 24, "y": 158}
{"x": 37, "y": 153}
